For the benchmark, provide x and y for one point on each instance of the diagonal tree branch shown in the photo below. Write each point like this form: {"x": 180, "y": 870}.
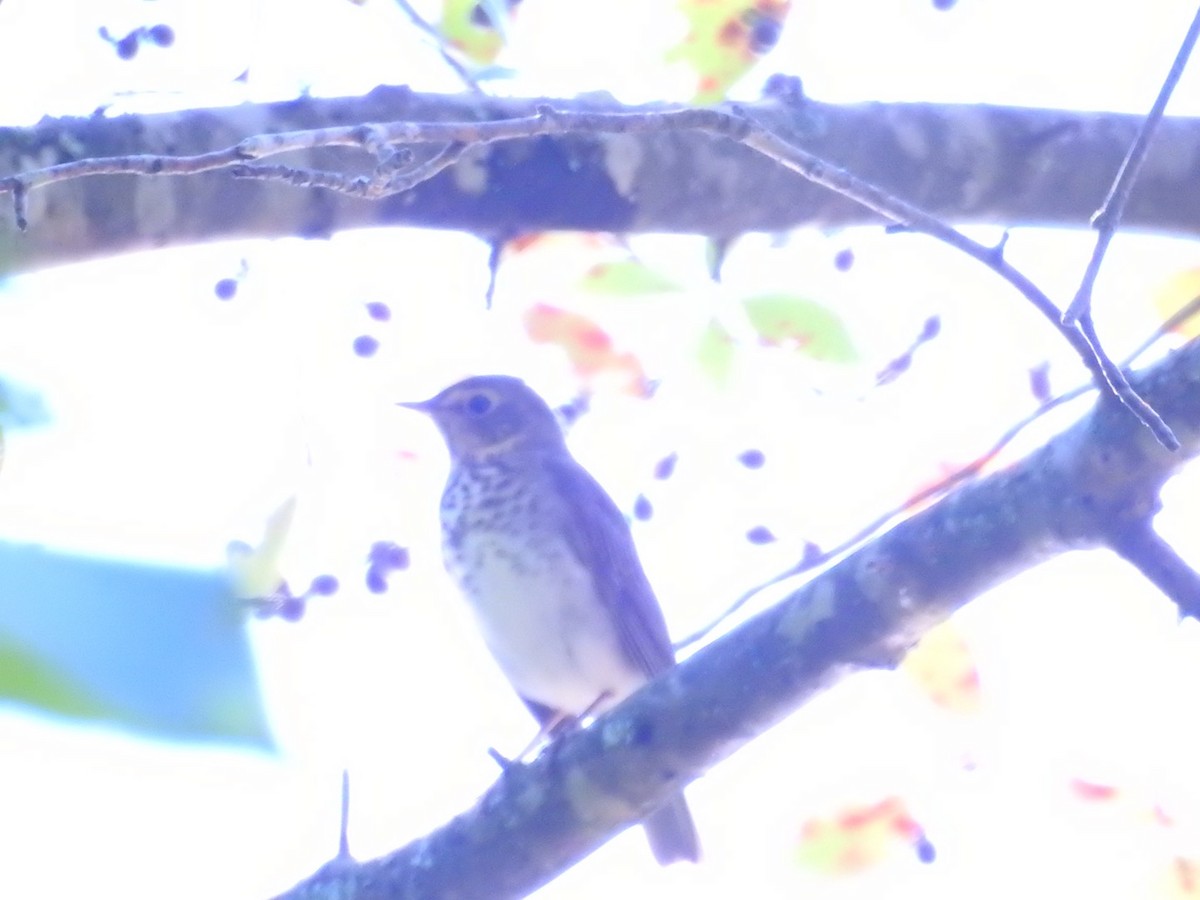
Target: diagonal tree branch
{"x": 1100, "y": 477}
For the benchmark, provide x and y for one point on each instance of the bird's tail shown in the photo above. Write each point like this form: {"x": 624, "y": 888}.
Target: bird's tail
{"x": 672, "y": 833}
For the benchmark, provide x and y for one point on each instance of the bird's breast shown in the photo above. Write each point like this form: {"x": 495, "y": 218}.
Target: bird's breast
{"x": 534, "y": 600}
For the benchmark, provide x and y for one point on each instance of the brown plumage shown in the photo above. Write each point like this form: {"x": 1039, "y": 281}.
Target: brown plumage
{"x": 547, "y": 562}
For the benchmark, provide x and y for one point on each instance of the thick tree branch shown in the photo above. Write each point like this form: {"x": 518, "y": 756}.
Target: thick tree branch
{"x": 866, "y": 611}
{"x": 961, "y": 163}
{"x": 773, "y": 133}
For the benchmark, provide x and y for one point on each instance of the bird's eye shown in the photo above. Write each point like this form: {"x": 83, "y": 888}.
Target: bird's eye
{"x": 479, "y": 404}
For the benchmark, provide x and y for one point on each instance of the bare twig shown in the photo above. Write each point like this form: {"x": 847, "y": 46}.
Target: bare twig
{"x": 1108, "y": 218}
{"x": 357, "y": 186}
{"x": 386, "y": 181}
{"x": 140, "y": 164}
{"x": 344, "y": 827}
{"x": 440, "y": 41}
{"x": 812, "y": 561}
{"x": 444, "y": 159}
{"x": 1126, "y": 394}
{"x": 1089, "y": 351}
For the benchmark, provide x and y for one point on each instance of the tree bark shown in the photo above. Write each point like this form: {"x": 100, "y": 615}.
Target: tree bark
{"x": 1006, "y": 166}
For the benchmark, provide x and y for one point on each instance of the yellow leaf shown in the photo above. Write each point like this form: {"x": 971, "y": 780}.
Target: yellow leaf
{"x": 476, "y": 29}
{"x": 725, "y": 38}
{"x": 1180, "y": 290}
{"x": 941, "y": 664}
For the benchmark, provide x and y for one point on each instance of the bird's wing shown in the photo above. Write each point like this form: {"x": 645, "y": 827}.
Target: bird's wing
{"x": 600, "y": 538}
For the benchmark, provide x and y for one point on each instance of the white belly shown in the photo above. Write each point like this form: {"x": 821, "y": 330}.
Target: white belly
{"x": 551, "y": 637}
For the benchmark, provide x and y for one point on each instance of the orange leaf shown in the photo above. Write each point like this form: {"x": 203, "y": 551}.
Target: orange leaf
{"x": 857, "y": 836}
{"x": 588, "y": 346}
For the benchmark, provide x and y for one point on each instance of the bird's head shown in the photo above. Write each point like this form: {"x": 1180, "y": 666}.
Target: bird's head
{"x": 492, "y": 414}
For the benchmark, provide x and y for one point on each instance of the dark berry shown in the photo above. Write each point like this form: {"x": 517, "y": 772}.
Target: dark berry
{"x": 376, "y": 582}
{"x": 665, "y": 467}
{"x": 480, "y": 17}
{"x": 1039, "y": 382}
{"x": 163, "y": 35}
{"x": 380, "y": 312}
{"x": 365, "y": 345}
{"x": 387, "y": 556}
{"x": 752, "y": 459}
{"x": 926, "y": 852}
{"x": 764, "y": 34}
{"x": 127, "y": 47}
{"x": 291, "y": 609}
{"x": 894, "y": 369}
{"x": 642, "y": 510}
{"x": 760, "y": 534}
{"x": 226, "y": 288}
{"x": 843, "y": 259}
{"x": 323, "y": 585}
{"x": 932, "y": 328}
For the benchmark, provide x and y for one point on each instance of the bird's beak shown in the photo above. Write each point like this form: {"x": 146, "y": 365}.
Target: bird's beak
{"x": 421, "y": 406}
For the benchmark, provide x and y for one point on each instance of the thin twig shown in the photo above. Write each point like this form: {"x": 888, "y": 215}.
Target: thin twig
{"x": 1087, "y": 346}
{"x": 812, "y": 561}
{"x": 440, "y": 42}
{"x": 382, "y": 184}
{"x": 344, "y": 827}
{"x": 1108, "y": 218}
{"x": 1124, "y": 392}
{"x": 139, "y": 164}
{"x": 444, "y": 159}
{"x": 352, "y": 186}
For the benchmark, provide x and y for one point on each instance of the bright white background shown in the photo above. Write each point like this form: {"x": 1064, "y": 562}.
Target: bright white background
{"x": 182, "y": 422}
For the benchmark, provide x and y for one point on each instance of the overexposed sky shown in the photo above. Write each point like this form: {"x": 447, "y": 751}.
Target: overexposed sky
{"x": 181, "y": 422}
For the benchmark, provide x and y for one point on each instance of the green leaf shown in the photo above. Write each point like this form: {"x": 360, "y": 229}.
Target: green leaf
{"x": 27, "y": 678}
{"x": 627, "y": 278}
{"x": 157, "y": 650}
{"x": 782, "y": 320}
{"x": 21, "y": 407}
{"x": 479, "y": 43}
{"x": 716, "y": 353}
{"x": 725, "y": 38}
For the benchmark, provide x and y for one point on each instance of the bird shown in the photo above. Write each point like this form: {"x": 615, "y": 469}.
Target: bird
{"x": 546, "y": 561}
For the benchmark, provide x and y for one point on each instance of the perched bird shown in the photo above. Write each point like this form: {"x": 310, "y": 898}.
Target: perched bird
{"x": 547, "y": 563}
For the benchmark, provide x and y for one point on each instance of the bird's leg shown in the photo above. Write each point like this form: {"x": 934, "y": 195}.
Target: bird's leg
{"x": 595, "y": 705}
{"x": 551, "y": 723}
{"x": 544, "y": 735}
{"x": 550, "y": 731}
{"x": 554, "y": 723}
{"x": 560, "y": 723}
